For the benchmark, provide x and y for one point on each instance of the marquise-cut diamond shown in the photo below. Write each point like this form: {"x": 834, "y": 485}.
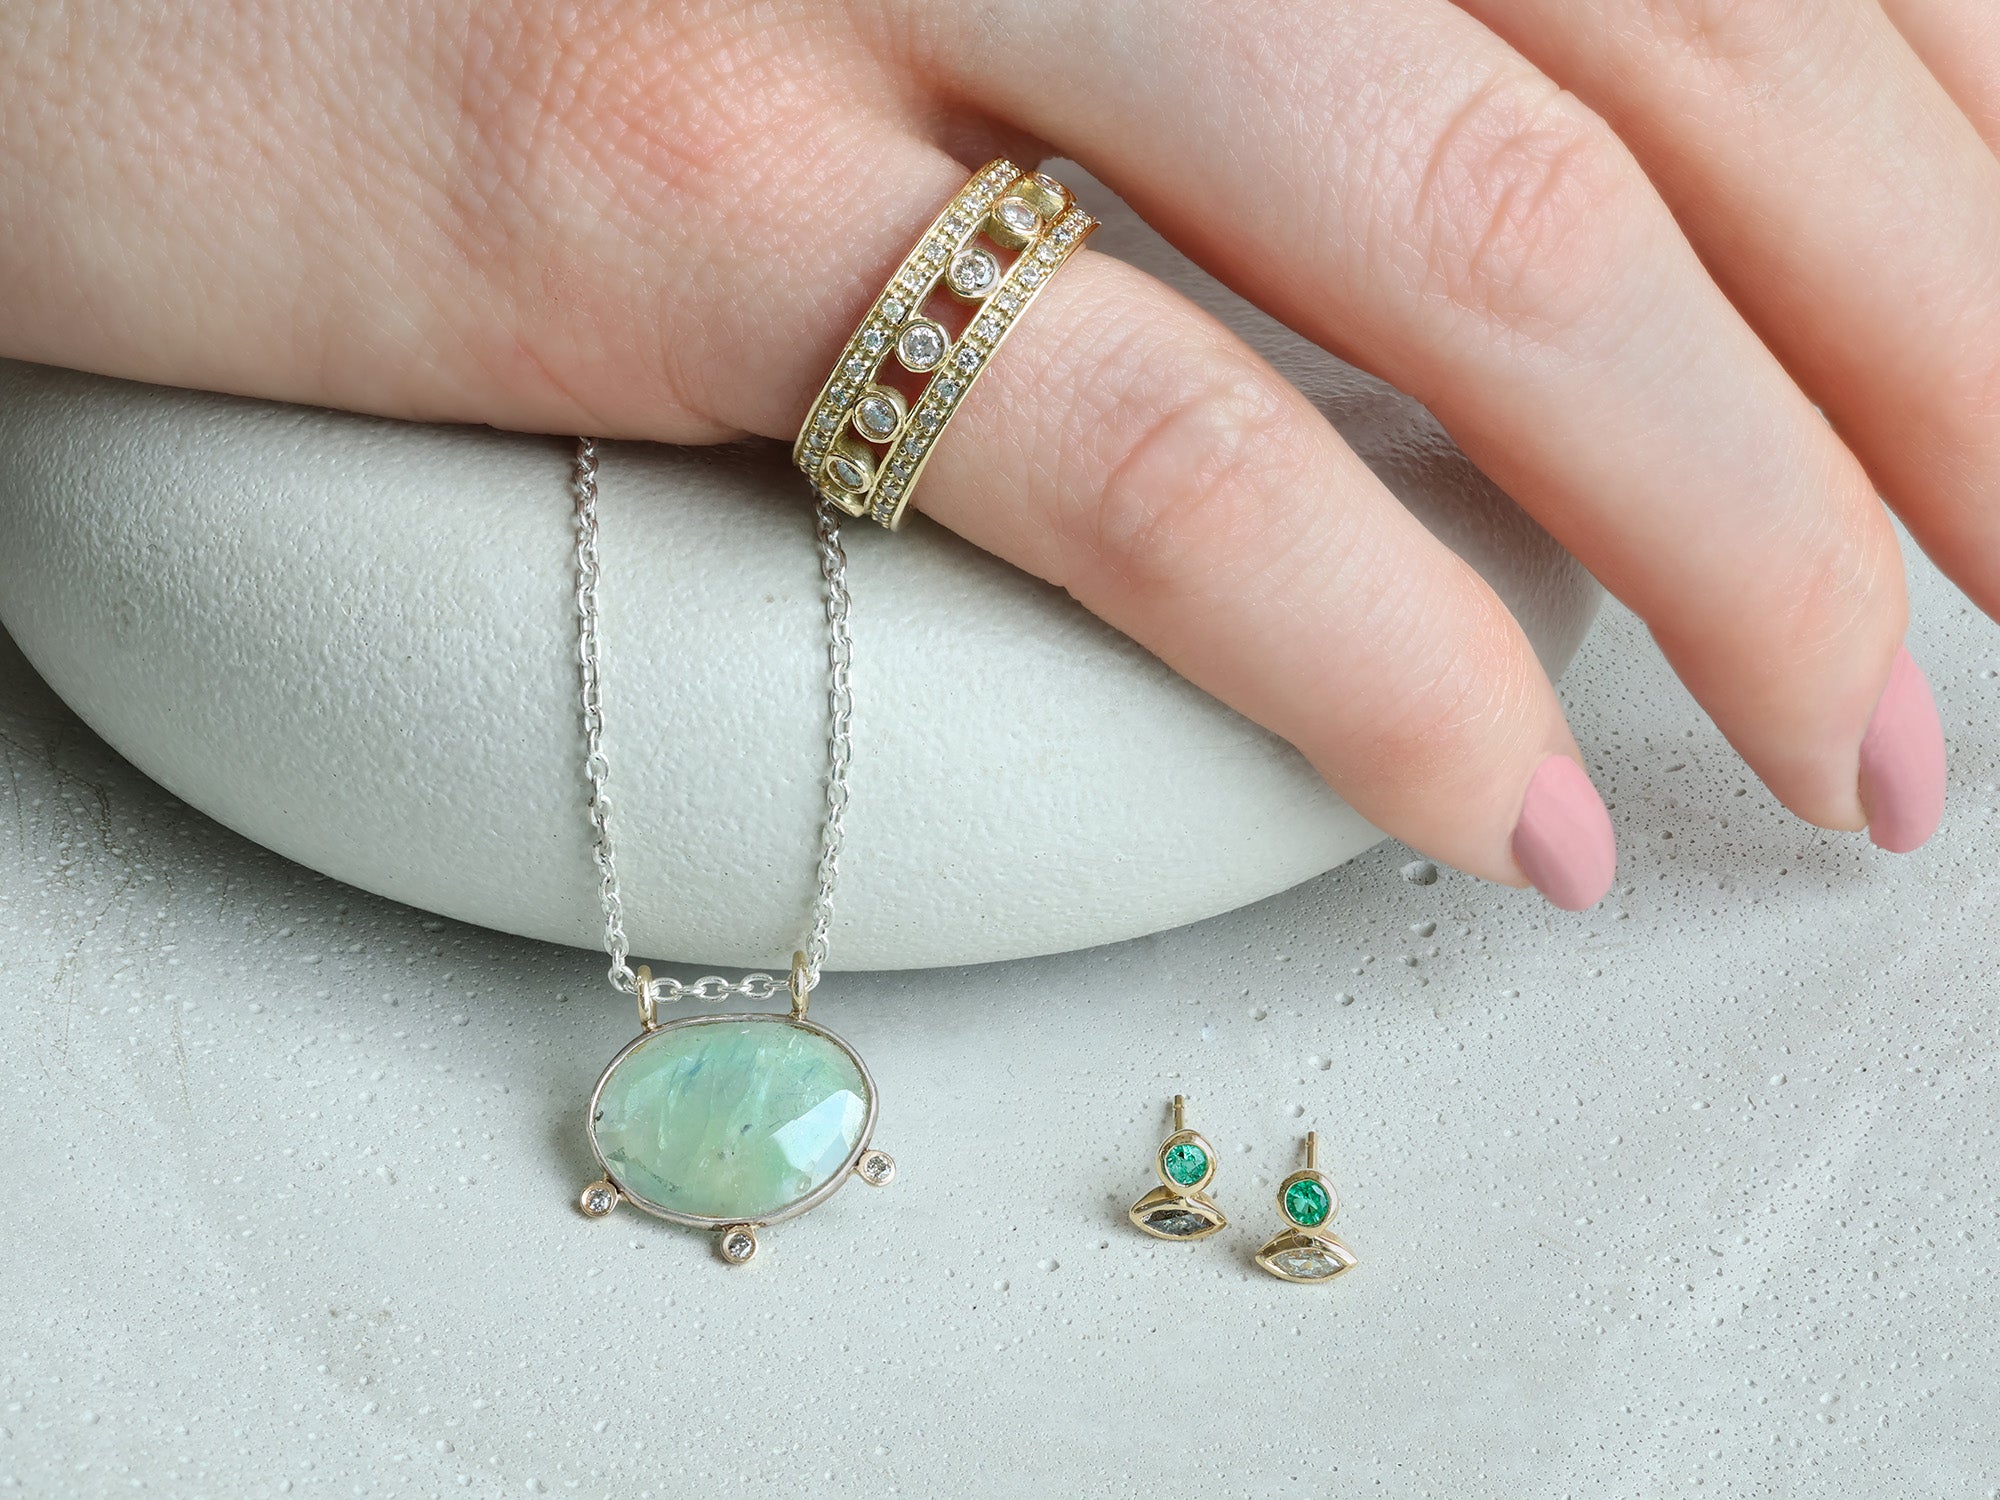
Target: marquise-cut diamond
{"x": 1175, "y": 1221}
{"x": 1309, "y": 1263}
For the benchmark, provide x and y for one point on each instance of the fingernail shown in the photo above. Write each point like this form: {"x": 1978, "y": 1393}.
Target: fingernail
{"x": 1563, "y": 842}
{"x": 1902, "y": 762}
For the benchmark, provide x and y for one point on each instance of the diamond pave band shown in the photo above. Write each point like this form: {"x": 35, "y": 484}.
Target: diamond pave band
{"x": 902, "y": 375}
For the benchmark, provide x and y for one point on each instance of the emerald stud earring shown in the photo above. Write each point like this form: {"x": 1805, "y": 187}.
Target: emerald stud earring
{"x": 1304, "y": 1250}
{"x": 1178, "y": 1209}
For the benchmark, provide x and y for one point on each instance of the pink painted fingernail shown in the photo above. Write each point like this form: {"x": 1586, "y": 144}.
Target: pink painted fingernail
{"x": 1563, "y": 842}
{"x": 1902, "y": 762}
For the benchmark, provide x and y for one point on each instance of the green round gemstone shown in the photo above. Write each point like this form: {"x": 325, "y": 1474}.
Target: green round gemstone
{"x": 1306, "y": 1203}
{"x": 1186, "y": 1163}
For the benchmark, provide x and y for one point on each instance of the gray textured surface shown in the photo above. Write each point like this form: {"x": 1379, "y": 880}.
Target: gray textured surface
{"x": 352, "y": 641}
{"x": 1692, "y": 1194}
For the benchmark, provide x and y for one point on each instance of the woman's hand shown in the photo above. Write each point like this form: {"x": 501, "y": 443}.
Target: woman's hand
{"x": 1628, "y": 251}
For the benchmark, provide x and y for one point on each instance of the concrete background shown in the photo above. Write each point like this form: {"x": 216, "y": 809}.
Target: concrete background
{"x": 1693, "y": 1194}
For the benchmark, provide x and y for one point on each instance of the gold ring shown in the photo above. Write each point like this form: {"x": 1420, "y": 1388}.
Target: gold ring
{"x": 987, "y": 255}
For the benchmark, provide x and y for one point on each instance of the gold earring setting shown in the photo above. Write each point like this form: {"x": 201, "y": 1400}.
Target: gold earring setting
{"x": 1178, "y": 1209}
{"x": 1306, "y": 1251}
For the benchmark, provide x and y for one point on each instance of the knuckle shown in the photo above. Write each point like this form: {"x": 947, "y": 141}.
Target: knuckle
{"x": 1977, "y": 393}
{"x": 585, "y": 139}
{"x": 1459, "y": 700}
{"x": 1190, "y": 481}
{"x": 1852, "y": 586}
{"x": 1735, "y": 33}
{"x": 1522, "y": 201}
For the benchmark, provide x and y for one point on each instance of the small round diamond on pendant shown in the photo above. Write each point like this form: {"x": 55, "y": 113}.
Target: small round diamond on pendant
{"x": 877, "y": 1168}
{"x": 921, "y": 345}
{"x": 598, "y": 1199}
{"x": 974, "y": 272}
{"x": 737, "y": 1245}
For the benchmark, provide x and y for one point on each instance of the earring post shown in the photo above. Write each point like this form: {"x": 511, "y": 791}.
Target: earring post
{"x": 1180, "y": 1112}
{"x": 1312, "y": 1149}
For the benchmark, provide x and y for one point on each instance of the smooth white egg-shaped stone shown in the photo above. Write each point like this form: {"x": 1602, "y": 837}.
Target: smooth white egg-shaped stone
{"x": 352, "y": 640}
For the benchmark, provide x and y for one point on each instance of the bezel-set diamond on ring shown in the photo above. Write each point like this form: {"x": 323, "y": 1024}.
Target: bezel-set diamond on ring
{"x": 1016, "y": 222}
{"x": 921, "y": 345}
{"x": 878, "y": 415}
{"x": 864, "y": 441}
{"x": 973, "y": 273}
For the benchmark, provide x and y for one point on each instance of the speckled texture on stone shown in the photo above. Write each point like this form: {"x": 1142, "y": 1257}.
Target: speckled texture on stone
{"x": 1692, "y": 1194}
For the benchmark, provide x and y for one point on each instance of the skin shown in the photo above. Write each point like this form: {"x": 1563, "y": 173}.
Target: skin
{"x": 1710, "y": 286}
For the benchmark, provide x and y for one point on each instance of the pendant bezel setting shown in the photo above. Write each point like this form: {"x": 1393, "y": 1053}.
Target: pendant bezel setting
{"x": 863, "y": 1149}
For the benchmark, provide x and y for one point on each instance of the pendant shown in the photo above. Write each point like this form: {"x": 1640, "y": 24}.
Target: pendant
{"x": 731, "y": 1122}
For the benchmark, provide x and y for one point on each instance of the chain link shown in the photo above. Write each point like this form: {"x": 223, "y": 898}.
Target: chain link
{"x": 597, "y": 768}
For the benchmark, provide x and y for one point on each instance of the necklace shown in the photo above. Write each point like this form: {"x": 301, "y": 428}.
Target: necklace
{"x": 723, "y": 1122}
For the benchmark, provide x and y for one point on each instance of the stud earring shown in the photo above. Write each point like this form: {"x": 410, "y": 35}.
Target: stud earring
{"x": 1305, "y": 1251}
{"x": 1178, "y": 1209}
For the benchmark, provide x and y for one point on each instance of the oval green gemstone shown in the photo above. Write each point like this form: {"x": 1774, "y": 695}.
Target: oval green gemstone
{"x": 731, "y": 1120}
{"x": 1306, "y": 1203}
{"x": 1186, "y": 1163}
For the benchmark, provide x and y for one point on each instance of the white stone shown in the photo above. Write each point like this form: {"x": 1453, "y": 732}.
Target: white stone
{"x": 351, "y": 640}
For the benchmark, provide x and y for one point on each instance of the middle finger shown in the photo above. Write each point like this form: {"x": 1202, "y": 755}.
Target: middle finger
{"x": 1453, "y": 221}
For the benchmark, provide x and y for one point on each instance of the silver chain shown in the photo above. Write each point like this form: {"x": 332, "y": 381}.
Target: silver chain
{"x": 597, "y": 768}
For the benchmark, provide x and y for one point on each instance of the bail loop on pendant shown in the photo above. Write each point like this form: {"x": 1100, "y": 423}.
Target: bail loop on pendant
{"x": 649, "y": 1004}
{"x": 800, "y": 984}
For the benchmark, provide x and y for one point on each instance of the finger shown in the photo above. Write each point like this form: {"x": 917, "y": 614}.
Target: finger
{"x": 1959, "y": 42}
{"x": 1452, "y": 221}
{"x": 1846, "y": 205}
{"x": 1127, "y": 447}
{"x": 1130, "y": 449}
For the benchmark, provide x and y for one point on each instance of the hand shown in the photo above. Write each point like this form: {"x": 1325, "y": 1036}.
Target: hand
{"x": 1628, "y": 251}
